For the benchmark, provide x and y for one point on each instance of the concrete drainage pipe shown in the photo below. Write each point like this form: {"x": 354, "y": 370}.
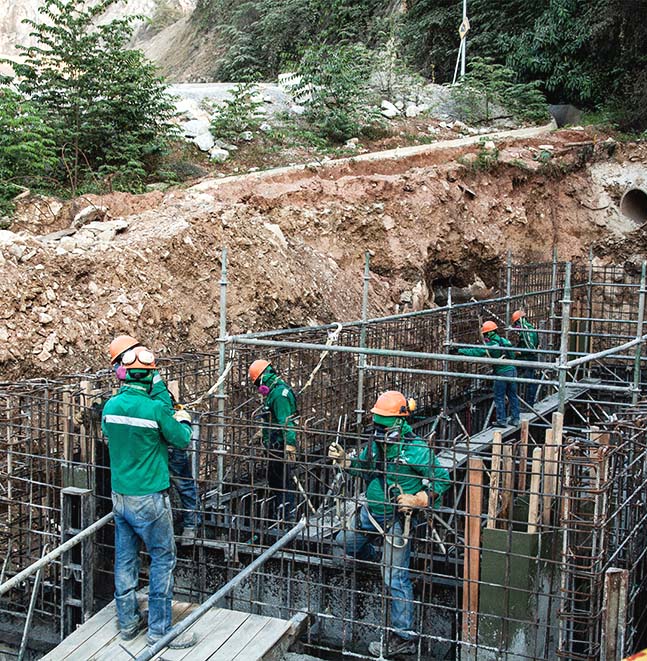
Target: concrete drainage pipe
{"x": 634, "y": 205}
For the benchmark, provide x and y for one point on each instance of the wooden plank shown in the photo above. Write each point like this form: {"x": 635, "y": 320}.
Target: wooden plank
{"x": 263, "y": 641}
{"x": 495, "y": 476}
{"x": 523, "y": 454}
{"x": 224, "y": 625}
{"x": 535, "y": 481}
{"x": 508, "y": 480}
{"x": 472, "y": 557}
{"x": 114, "y": 650}
{"x": 81, "y": 635}
{"x": 549, "y": 476}
{"x": 235, "y": 643}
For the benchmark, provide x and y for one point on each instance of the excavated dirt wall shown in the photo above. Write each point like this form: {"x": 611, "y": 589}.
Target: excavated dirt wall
{"x": 150, "y": 265}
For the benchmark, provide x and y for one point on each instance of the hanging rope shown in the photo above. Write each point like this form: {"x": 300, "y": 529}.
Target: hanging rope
{"x": 214, "y": 387}
{"x": 333, "y": 336}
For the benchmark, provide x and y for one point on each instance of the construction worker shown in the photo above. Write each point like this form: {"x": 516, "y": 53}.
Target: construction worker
{"x": 403, "y": 476}
{"x": 279, "y": 436}
{"x": 179, "y": 464}
{"x": 529, "y": 340}
{"x": 139, "y": 430}
{"x": 502, "y": 389}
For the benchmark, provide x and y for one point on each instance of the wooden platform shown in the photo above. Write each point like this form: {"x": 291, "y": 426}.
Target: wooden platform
{"x": 222, "y": 634}
{"x": 455, "y": 457}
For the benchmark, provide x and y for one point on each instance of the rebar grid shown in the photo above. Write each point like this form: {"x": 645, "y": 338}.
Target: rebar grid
{"x": 552, "y": 518}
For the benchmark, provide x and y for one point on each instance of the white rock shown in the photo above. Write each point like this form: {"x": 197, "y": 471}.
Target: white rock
{"x": 247, "y": 136}
{"x": 89, "y": 214}
{"x": 350, "y": 145}
{"x": 44, "y": 356}
{"x": 123, "y": 299}
{"x": 107, "y": 236}
{"x": 204, "y": 141}
{"x": 7, "y": 238}
{"x": 265, "y": 127}
{"x": 278, "y": 233}
{"x": 547, "y": 147}
{"x": 388, "y": 109}
{"x": 489, "y": 145}
{"x": 45, "y": 318}
{"x": 67, "y": 243}
{"x": 17, "y": 250}
{"x": 190, "y": 108}
{"x": 4, "y": 334}
{"x": 116, "y": 225}
{"x": 195, "y": 127}
{"x": 412, "y": 110}
{"x": 459, "y": 126}
{"x": 296, "y": 109}
{"x": 399, "y": 105}
{"x": 218, "y": 155}
{"x": 49, "y": 293}
{"x": 268, "y": 99}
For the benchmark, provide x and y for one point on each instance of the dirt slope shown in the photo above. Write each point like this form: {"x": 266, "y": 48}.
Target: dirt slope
{"x": 296, "y": 241}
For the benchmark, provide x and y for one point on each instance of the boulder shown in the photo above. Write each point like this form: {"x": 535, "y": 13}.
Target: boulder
{"x": 204, "y": 141}
{"x": 195, "y": 127}
{"x": 389, "y": 110}
{"x": 7, "y": 238}
{"x": 247, "y": 136}
{"x": 565, "y": 113}
{"x": 218, "y": 154}
{"x": 88, "y": 215}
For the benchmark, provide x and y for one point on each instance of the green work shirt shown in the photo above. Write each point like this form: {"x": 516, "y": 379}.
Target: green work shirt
{"x": 139, "y": 430}
{"x": 280, "y": 409}
{"x": 410, "y": 465}
{"x": 493, "y": 349}
{"x": 528, "y": 338}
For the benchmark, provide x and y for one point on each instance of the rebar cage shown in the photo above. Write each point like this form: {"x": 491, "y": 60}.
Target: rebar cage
{"x": 518, "y": 557}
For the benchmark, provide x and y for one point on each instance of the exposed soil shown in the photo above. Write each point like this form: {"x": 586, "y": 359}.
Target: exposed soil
{"x": 296, "y": 241}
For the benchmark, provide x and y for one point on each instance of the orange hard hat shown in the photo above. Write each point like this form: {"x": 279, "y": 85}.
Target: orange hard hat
{"x": 121, "y": 344}
{"x": 516, "y": 315}
{"x": 139, "y": 358}
{"x": 257, "y": 368}
{"x": 391, "y": 403}
{"x": 488, "y": 327}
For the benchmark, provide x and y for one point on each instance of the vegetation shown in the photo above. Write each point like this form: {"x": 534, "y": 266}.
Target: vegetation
{"x": 238, "y": 114}
{"x": 104, "y": 106}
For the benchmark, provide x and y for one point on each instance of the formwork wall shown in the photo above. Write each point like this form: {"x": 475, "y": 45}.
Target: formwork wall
{"x": 540, "y": 592}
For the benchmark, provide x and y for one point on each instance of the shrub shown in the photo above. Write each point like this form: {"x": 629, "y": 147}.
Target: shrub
{"x": 238, "y": 114}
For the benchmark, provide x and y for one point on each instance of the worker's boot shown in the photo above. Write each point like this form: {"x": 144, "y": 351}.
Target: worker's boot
{"x": 393, "y": 647}
{"x": 134, "y": 631}
{"x": 187, "y": 639}
{"x": 189, "y": 535}
{"x": 500, "y": 424}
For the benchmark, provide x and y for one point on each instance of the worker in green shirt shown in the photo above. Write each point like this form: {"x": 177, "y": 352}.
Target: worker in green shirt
{"x": 498, "y": 347}
{"x": 529, "y": 340}
{"x": 279, "y": 436}
{"x": 140, "y": 430}
{"x": 403, "y": 476}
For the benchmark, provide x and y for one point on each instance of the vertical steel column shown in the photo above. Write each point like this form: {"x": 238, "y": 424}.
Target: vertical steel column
{"x": 222, "y": 339}
{"x": 448, "y": 339}
{"x": 588, "y": 339}
{"x": 359, "y": 411}
{"x": 614, "y": 611}
{"x": 639, "y": 334}
{"x": 77, "y": 580}
{"x": 565, "y": 336}
{"x": 553, "y": 298}
{"x": 508, "y": 290}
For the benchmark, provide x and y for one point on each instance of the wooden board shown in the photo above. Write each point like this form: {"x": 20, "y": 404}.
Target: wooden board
{"x": 220, "y": 634}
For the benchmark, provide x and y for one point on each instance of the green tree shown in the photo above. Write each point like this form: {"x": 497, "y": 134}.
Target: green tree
{"x": 107, "y": 106}
{"x": 336, "y": 78}
{"x": 26, "y": 146}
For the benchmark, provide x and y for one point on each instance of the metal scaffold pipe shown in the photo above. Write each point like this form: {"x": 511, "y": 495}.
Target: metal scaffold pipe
{"x": 222, "y": 339}
{"x": 563, "y": 347}
{"x": 362, "y": 341}
{"x": 52, "y": 555}
{"x": 639, "y": 333}
{"x": 390, "y": 353}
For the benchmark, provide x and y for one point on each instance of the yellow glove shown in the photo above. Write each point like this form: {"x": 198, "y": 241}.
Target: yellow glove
{"x": 290, "y": 453}
{"x": 338, "y": 455}
{"x": 407, "y": 501}
{"x": 182, "y": 415}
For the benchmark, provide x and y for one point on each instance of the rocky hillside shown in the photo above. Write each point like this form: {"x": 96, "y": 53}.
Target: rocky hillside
{"x": 71, "y": 278}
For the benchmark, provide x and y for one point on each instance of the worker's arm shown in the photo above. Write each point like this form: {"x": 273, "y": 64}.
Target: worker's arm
{"x": 425, "y": 463}
{"x": 284, "y": 412}
{"x": 479, "y": 353}
{"x": 177, "y": 434}
{"x": 360, "y": 465}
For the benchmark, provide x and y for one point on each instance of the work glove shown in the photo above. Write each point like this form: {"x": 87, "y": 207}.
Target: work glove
{"x": 407, "y": 501}
{"x": 338, "y": 455}
{"x": 453, "y": 351}
{"x": 181, "y": 415}
{"x": 290, "y": 453}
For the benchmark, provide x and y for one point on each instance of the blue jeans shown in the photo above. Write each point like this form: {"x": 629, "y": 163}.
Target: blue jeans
{"x": 147, "y": 519}
{"x": 179, "y": 468}
{"x": 531, "y": 388}
{"x": 356, "y": 542}
{"x": 501, "y": 390}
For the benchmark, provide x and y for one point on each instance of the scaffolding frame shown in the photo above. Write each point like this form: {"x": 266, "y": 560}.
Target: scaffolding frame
{"x": 572, "y": 480}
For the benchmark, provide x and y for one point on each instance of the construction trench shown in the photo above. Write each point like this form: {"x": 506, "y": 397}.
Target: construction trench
{"x": 537, "y": 551}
